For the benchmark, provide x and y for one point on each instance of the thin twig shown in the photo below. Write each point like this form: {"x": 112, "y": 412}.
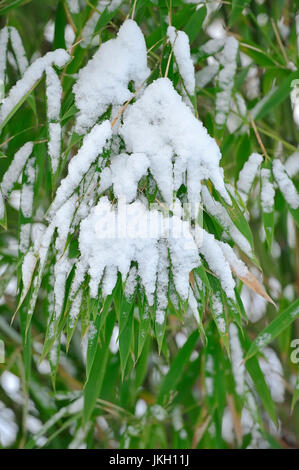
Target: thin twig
{"x": 258, "y": 138}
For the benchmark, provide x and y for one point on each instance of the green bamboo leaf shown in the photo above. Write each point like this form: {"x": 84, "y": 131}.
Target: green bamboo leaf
{"x": 279, "y": 324}
{"x": 237, "y": 9}
{"x": 125, "y": 340}
{"x": 255, "y": 372}
{"x": 93, "y": 384}
{"x": 176, "y": 369}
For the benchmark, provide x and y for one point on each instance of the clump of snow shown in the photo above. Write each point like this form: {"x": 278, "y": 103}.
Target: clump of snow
{"x": 54, "y": 94}
{"x": 114, "y": 238}
{"x": 238, "y": 266}
{"x": 228, "y": 59}
{"x": 216, "y": 209}
{"x": 213, "y": 255}
{"x": 181, "y": 49}
{"x": 267, "y": 191}
{"x": 105, "y": 78}
{"x": 205, "y": 75}
{"x": 88, "y": 30}
{"x": 285, "y": 184}
{"x": 292, "y": 164}
{"x": 14, "y": 170}
{"x": 93, "y": 144}
{"x": 126, "y": 171}
{"x": 247, "y": 175}
{"x": 160, "y": 125}
{"x": 273, "y": 372}
{"x": 32, "y": 74}
{"x": 18, "y": 49}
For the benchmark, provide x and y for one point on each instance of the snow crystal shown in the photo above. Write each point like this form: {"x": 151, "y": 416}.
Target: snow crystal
{"x": 181, "y": 49}
{"x": 105, "y": 78}
{"x": 285, "y": 184}
{"x": 160, "y": 125}
{"x": 18, "y": 49}
{"x": 267, "y": 191}
{"x": 93, "y": 144}
{"x": 273, "y": 372}
{"x": 247, "y": 175}
{"x": 216, "y": 209}
{"x": 213, "y": 255}
{"x": 237, "y": 358}
{"x": 14, "y": 170}
{"x": 33, "y": 73}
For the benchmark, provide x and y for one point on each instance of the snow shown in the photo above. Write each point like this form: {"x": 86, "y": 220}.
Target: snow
{"x": 213, "y": 255}
{"x": 74, "y": 6}
{"x": 14, "y": 170}
{"x": 205, "y": 75}
{"x": 218, "y": 309}
{"x": 161, "y": 126}
{"x": 113, "y": 238}
{"x": 53, "y": 93}
{"x": 18, "y": 49}
{"x": 162, "y": 282}
{"x": 181, "y": 49}
{"x": 273, "y": 372}
{"x": 238, "y": 266}
{"x": 54, "y": 144}
{"x": 131, "y": 284}
{"x": 237, "y": 358}
{"x": 216, "y": 209}
{"x": 105, "y": 78}
{"x": 3, "y": 52}
{"x": 126, "y": 171}
{"x": 93, "y": 144}
{"x": 292, "y": 164}
{"x": 33, "y": 73}
{"x": 227, "y": 58}
{"x": 247, "y": 175}
{"x": 88, "y": 30}
{"x": 285, "y": 184}
{"x": 267, "y": 191}
{"x": 28, "y": 266}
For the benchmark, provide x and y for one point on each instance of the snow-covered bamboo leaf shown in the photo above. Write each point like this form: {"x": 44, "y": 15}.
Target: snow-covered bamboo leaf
{"x": 282, "y": 321}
